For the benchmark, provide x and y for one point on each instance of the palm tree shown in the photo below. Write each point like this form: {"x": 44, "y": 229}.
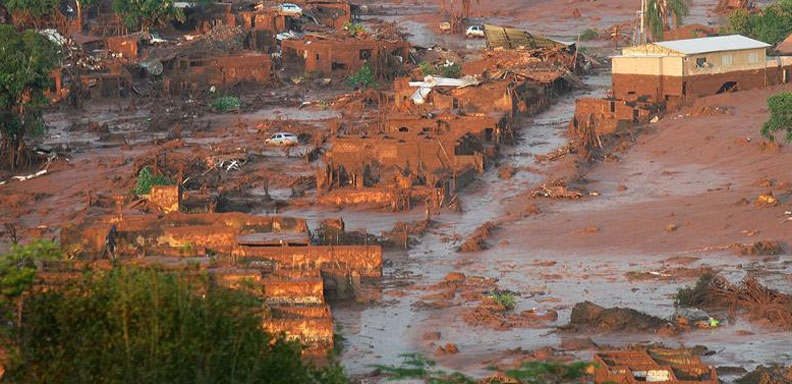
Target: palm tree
{"x": 662, "y": 15}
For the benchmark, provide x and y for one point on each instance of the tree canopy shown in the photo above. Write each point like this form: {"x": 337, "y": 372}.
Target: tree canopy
{"x": 780, "y": 106}
{"x": 772, "y": 25}
{"x": 148, "y": 326}
{"x": 26, "y": 62}
{"x": 33, "y": 8}
{"x": 145, "y": 14}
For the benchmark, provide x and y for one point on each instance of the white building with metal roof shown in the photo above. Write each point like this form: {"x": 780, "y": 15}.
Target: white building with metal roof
{"x": 681, "y": 69}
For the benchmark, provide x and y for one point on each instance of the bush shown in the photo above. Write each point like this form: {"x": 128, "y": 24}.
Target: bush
{"x": 353, "y": 29}
{"x": 146, "y": 180}
{"x": 780, "y": 106}
{"x": 416, "y": 367}
{"x": 452, "y": 70}
{"x": 145, "y": 326}
{"x": 227, "y": 103}
{"x": 588, "y": 34}
{"x": 506, "y": 299}
{"x": 363, "y": 78}
{"x": 18, "y": 266}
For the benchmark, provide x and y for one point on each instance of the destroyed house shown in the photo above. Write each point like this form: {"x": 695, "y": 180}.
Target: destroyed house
{"x": 488, "y": 129}
{"x": 673, "y": 71}
{"x": 341, "y": 56}
{"x": 384, "y": 159}
{"x": 472, "y": 97}
{"x": 192, "y": 73}
{"x": 653, "y": 365}
{"x": 332, "y": 13}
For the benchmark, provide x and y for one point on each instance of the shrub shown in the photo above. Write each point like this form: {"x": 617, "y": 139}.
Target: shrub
{"x": 146, "y": 180}
{"x": 588, "y": 34}
{"x": 353, "y": 29}
{"x": 780, "y": 106}
{"x": 227, "y": 103}
{"x": 452, "y": 70}
{"x": 504, "y": 298}
{"x": 363, "y": 78}
{"x": 146, "y": 326}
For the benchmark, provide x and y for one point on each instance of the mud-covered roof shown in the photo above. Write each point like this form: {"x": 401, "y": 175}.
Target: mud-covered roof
{"x": 513, "y": 38}
{"x": 712, "y": 44}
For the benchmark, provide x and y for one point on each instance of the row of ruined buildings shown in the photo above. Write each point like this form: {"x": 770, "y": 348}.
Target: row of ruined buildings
{"x": 435, "y": 134}
{"x": 231, "y": 43}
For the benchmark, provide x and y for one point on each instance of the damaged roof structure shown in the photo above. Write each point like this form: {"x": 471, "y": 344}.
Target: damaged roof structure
{"x": 652, "y": 365}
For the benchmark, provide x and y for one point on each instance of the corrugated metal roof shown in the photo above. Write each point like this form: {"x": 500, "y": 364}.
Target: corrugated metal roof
{"x": 712, "y": 44}
{"x": 513, "y": 38}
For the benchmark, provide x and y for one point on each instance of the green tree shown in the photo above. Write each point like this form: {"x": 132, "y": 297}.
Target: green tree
{"x": 18, "y": 270}
{"x": 780, "y": 106}
{"x": 26, "y": 61}
{"x": 772, "y": 25}
{"x": 147, "y": 326}
{"x": 739, "y": 21}
{"x": 35, "y": 9}
{"x": 144, "y": 14}
{"x": 662, "y": 15}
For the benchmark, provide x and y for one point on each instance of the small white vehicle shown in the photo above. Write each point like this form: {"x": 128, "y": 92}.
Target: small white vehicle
{"x": 474, "y": 31}
{"x": 283, "y": 139}
{"x": 289, "y": 9}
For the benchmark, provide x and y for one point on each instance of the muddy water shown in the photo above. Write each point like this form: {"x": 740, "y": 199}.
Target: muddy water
{"x": 378, "y": 334}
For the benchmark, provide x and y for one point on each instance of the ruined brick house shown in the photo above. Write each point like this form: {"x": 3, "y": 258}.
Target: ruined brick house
{"x": 341, "y": 55}
{"x": 199, "y": 72}
{"x": 507, "y": 97}
{"x": 607, "y": 116}
{"x": 674, "y": 71}
{"x": 268, "y": 256}
{"x": 653, "y": 365}
{"x": 331, "y": 13}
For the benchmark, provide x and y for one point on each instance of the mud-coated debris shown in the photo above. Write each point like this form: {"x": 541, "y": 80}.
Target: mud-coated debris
{"x": 768, "y": 375}
{"x": 759, "y": 248}
{"x": 757, "y": 302}
{"x": 455, "y": 276}
{"x": 577, "y": 344}
{"x": 477, "y": 241}
{"x": 540, "y": 314}
{"x": 431, "y": 336}
{"x": 765, "y": 200}
{"x": 506, "y": 172}
{"x": 587, "y": 316}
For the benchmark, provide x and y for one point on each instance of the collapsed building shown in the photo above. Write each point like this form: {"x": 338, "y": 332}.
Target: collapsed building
{"x": 340, "y": 55}
{"x": 651, "y": 365}
{"x": 273, "y": 255}
{"x": 440, "y": 132}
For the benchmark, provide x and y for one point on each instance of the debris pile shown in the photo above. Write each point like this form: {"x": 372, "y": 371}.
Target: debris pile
{"x": 748, "y": 297}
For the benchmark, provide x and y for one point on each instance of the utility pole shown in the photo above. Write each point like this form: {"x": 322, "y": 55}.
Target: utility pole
{"x": 643, "y": 38}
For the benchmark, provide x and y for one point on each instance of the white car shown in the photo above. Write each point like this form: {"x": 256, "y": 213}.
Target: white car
{"x": 282, "y": 138}
{"x": 475, "y": 31}
{"x": 289, "y": 9}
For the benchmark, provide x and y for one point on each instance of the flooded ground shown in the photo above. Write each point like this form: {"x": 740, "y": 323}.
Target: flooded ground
{"x": 379, "y": 334}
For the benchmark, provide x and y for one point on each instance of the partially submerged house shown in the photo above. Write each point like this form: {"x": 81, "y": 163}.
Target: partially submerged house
{"x": 673, "y": 71}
